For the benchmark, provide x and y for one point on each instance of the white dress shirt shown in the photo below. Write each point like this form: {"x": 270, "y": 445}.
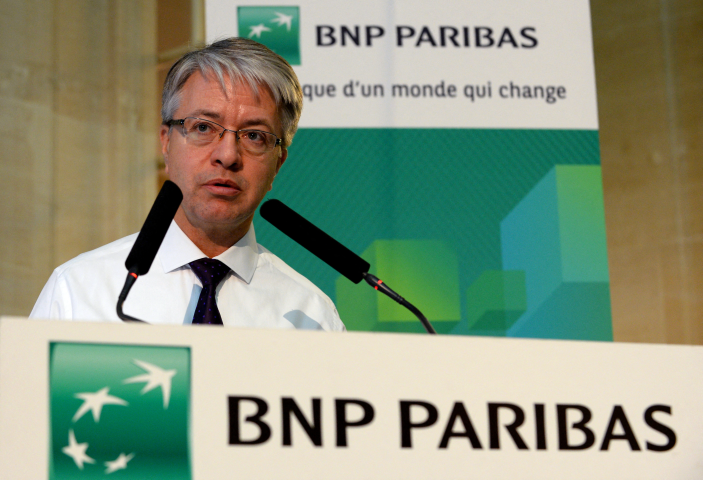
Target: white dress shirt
{"x": 260, "y": 291}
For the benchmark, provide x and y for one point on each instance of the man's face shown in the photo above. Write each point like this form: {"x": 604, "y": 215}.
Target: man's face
{"x": 221, "y": 183}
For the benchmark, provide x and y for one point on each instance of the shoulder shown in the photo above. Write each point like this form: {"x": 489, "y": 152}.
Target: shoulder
{"x": 85, "y": 286}
{"x": 295, "y": 284}
{"x": 272, "y": 261}
{"x": 111, "y": 254}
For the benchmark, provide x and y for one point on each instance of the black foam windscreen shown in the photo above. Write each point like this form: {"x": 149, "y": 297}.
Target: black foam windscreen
{"x": 154, "y": 229}
{"x": 315, "y": 240}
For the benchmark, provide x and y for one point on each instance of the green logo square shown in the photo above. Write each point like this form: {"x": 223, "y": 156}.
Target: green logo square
{"x": 119, "y": 409}
{"x": 276, "y": 27}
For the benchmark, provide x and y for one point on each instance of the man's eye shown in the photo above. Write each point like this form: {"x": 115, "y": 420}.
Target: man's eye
{"x": 203, "y": 128}
{"x": 255, "y": 136}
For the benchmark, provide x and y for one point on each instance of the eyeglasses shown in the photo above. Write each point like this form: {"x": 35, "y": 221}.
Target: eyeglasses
{"x": 200, "y": 133}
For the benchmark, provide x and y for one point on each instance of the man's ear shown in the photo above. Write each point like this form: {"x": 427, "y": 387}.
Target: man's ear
{"x": 165, "y": 139}
{"x": 281, "y": 159}
{"x": 279, "y": 162}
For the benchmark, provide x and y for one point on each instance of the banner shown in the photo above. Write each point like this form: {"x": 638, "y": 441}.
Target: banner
{"x": 101, "y": 400}
{"x": 454, "y": 144}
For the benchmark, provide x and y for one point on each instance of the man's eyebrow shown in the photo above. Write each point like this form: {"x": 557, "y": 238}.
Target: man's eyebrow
{"x": 206, "y": 113}
{"x": 252, "y": 122}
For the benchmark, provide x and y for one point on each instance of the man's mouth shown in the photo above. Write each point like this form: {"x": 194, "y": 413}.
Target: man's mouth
{"x": 224, "y": 187}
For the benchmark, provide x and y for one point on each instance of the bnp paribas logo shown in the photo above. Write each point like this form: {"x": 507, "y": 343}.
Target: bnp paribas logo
{"x": 276, "y": 27}
{"x": 119, "y": 411}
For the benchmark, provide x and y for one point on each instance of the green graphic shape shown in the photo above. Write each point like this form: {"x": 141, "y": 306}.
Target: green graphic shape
{"x": 431, "y": 280}
{"x": 276, "y": 27}
{"x": 556, "y": 234}
{"x": 361, "y": 185}
{"x": 493, "y": 303}
{"x": 141, "y": 432}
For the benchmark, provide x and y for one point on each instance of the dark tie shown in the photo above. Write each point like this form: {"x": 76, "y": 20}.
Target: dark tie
{"x": 210, "y": 272}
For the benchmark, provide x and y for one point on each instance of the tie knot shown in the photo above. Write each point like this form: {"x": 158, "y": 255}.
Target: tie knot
{"x": 209, "y": 271}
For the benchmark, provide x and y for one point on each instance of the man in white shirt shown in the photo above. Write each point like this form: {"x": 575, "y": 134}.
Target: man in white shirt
{"x": 229, "y": 113}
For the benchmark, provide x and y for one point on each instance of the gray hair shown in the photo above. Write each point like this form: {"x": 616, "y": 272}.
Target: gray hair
{"x": 240, "y": 59}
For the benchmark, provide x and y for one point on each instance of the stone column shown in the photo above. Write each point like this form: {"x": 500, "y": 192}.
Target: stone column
{"x": 78, "y": 124}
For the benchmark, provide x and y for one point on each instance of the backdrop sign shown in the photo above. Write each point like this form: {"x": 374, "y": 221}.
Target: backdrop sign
{"x": 99, "y": 400}
{"x": 454, "y": 144}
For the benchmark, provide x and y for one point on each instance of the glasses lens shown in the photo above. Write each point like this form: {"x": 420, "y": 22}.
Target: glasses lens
{"x": 256, "y": 141}
{"x": 199, "y": 131}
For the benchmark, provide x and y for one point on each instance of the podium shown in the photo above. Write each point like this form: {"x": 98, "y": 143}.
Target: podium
{"x": 105, "y": 400}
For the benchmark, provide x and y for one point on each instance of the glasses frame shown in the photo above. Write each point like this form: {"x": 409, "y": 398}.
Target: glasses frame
{"x": 181, "y": 122}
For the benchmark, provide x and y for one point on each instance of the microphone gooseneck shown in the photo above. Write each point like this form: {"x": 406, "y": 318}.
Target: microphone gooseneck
{"x": 379, "y": 285}
{"x": 331, "y": 251}
{"x": 149, "y": 240}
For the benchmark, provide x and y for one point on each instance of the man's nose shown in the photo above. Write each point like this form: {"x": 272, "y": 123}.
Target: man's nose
{"x": 226, "y": 151}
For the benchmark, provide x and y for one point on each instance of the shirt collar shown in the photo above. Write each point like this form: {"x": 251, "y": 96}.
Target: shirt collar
{"x": 177, "y": 250}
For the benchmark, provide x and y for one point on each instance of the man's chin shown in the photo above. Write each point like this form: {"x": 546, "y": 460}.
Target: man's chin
{"x": 221, "y": 219}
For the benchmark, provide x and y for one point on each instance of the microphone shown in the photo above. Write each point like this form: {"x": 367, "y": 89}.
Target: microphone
{"x": 315, "y": 240}
{"x": 154, "y": 229}
{"x": 330, "y": 251}
{"x": 149, "y": 240}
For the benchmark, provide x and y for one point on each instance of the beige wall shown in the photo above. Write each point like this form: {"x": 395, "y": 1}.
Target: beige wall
{"x": 649, "y": 72}
{"x": 79, "y": 87}
{"x": 77, "y": 121}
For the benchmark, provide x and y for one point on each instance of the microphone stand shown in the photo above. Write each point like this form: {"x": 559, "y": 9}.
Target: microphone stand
{"x": 131, "y": 278}
{"x": 378, "y": 284}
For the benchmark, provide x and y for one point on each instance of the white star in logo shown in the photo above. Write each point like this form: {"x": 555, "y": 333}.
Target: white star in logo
{"x": 118, "y": 464}
{"x": 157, "y": 377}
{"x": 283, "y": 19}
{"x": 95, "y": 402}
{"x": 76, "y": 451}
{"x": 257, "y": 30}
